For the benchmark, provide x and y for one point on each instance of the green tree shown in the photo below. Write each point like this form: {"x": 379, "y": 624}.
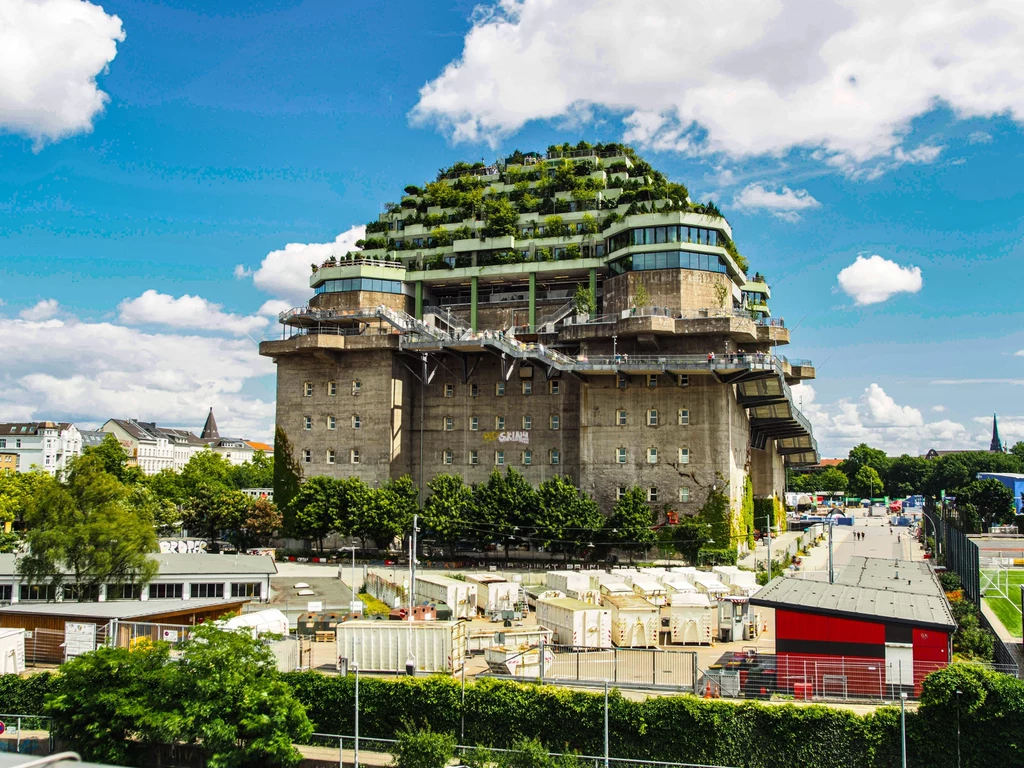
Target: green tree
{"x": 222, "y": 694}
{"x": 205, "y": 470}
{"x": 630, "y": 525}
{"x": 907, "y": 475}
{"x": 262, "y": 520}
{"x": 1018, "y": 451}
{"x": 315, "y": 510}
{"x": 423, "y": 748}
{"x": 214, "y": 510}
{"x": 165, "y": 514}
{"x": 84, "y": 527}
{"x": 505, "y": 503}
{"x": 584, "y": 300}
{"x": 565, "y": 517}
{"x": 258, "y": 472}
{"x": 114, "y": 459}
{"x": 287, "y": 473}
{"x": 448, "y": 509}
{"x": 640, "y": 297}
{"x": 387, "y": 511}
{"x": 988, "y": 501}
{"x": 500, "y": 218}
{"x": 830, "y": 480}
{"x": 866, "y": 483}
{"x": 166, "y": 485}
{"x": 864, "y": 455}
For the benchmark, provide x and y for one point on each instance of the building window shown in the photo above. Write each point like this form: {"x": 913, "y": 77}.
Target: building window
{"x": 78, "y": 593}
{"x": 6, "y": 592}
{"x": 332, "y": 388}
{"x": 684, "y": 495}
{"x": 357, "y": 387}
{"x": 165, "y": 591}
{"x": 527, "y": 422}
{"x": 357, "y": 421}
{"x": 652, "y": 380}
{"x": 499, "y": 423}
{"x": 652, "y": 493}
{"x": 353, "y": 456}
{"x": 330, "y": 456}
{"x": 620, "y": 455}
{"x": 3, "y": 443}
{"x": 554, "y": 422}
{"x": 684, "y": 455}
{"x": 684, "y": 417}
{"x": 207, "y": 589}
{"x": 554, "y": 456}
{"x": 652, "y": 455}
{"x": 527, "y": 387}
{"x": 307, "y": 456}
{"x": 124, "y": 591}
{"x": 332, "y": 422}
{"x": 684, "y": 380}
{"x": 474, "y": 390}
{"x": 446, "y": 457}
{"x": 449, "y": 423}
{"x": 527, "y": 458}
{"x": 622, "y": 381}
{"x": 37, "y": 592}
{"x": 499, "y": 458}
{"x": 554, "y": 386}
{"x": 307, "y": 422}
{"x": 620, "y": 418}
{"x": 307, "y": 389}
{"x": 499, "y": 389}
{"x": 474, "y": 459}
{"x": 449, "y": 390}
{"x": 652, "y": 417}
{"x": 620, "y": 492}
{"x": 246, "y": 589}
{"x": 474, "y": 423}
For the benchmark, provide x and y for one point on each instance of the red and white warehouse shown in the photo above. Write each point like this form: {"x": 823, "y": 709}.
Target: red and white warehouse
{"x": 879, "y": 629}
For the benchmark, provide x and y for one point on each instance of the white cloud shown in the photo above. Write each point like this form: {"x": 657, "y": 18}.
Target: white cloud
{"x": 873, "y": 279}
{"x": 90, "y": 372}
{"x": 51, "y": 52}
{"x": 185, "y": 312}
{"x": 274, "y": 307}
{"x": 285, "y": 273}
{"x": 242, "y": 272}
{"x": 939, "y": 408}
{"x": 980, "y": 137}
{"x": 876, "y": 419}
{"x": 43, "y": 310}
{"x": 784, "y": 203}
{"x": 845, "y": 78}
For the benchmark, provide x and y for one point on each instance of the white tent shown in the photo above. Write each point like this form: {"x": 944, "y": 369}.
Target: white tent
{"x": 271, "y": 621}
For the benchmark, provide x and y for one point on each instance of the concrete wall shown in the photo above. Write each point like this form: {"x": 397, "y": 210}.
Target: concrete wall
{"x": 362, "y": 299}
{"x": 767, "y": 471}
{"x": 680, "y": 289}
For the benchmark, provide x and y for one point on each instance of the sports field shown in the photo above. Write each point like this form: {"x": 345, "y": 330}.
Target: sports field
{"x": 1007, "y": 609}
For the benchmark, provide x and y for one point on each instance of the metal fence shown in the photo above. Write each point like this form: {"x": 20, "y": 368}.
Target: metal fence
{"x": 26, "y": 734}
{"x": 49, "y": 646}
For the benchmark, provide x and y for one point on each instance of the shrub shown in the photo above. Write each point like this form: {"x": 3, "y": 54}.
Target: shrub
{"x": 423, "y": 748}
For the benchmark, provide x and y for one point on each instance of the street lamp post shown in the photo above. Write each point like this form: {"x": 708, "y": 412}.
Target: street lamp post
{"x": 615, "y": 347}
{"x": 355, "y": 751}
{"x": 353, "y": 599}
{"x": 607, "y": 760}
{"x": 768, "y": 520}
{"x": 903, "y": 729}
{"x": 958, "y": 695}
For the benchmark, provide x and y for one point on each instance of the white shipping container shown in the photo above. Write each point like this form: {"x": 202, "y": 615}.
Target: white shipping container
{"x": 510, "y": 637}
{"x": 691, "y": 618}
{"x": 385, "y": 646}
{"x": 12, "y": 651}
{"x": 460, "y": 596}
{"x": 650, "y": 590}
{"x": 709, "y": 584}
{"x": 675, "y": 583}
{"x": 599, "y": 579}
{"x": 740, "y": 583}
{"x": 576, "y": 623}
{"x": 616, "y": 588}
{"x": 635, "y": 621}
{"x": 569, "y": 582}
{"x": 493, "y": 593}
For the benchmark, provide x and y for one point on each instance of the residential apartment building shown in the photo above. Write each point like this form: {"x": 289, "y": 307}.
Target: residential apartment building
{"x": 8, "y": 462}
{"x": 451, "y": 343}
{"x": 45, "y": 445}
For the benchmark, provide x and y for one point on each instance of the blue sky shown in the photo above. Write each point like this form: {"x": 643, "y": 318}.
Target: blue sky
{"x": 224, "y": 137}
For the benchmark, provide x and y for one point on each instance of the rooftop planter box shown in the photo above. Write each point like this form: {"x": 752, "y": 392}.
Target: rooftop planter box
{"x": 486, "y": 244}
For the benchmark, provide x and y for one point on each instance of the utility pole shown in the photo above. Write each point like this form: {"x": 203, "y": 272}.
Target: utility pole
{"x": 606, "y": 757}
{"x": 831, "y": 578}
{"x": 410, "y": 663}
{"x": 903, "y": 729}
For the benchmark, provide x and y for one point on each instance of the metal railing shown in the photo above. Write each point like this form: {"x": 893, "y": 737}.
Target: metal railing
{"x": 39, "y": 733}
{"x": 363, "y": 262}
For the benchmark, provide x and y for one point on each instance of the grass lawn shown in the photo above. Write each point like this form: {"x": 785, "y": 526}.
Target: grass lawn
{"x": 1008, "y": 611}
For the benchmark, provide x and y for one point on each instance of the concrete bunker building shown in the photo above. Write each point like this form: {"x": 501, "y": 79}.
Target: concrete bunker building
{"x": 453, "y": 342}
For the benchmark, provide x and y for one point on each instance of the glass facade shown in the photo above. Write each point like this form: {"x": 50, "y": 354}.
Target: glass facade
{"x": 638, "y": 262}
{"x": 359, "y": 284}
{"x": 660, "y": 235}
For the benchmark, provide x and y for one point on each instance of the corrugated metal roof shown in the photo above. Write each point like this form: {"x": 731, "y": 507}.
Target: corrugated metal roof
{"x": 118, "y": 609}
{"x": 628, "y": 602}
{"x": 182, "y": 564}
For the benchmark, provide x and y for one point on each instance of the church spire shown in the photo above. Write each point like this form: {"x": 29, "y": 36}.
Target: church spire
{"x": 996, "y": 445}
{"x": 210, "y": 428}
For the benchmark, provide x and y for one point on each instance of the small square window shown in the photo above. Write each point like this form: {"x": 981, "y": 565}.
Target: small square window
{"x": 474, "y": 423}
{"x": 652, "y": 380}
{"x": 554, "y": 386}
{"x": 307, "y": 422}
{"x": 684, "y": 455}
{"x": 499, "y": 458}
{"x": 449, "y": 390}
{"x": 357, "y": 387}
{"x": 620, "y": 418}
{"x": 652, "y": 455}
{"x": 307, "y": 389}
{"x": 474, "y": 458}
{"x": 554, "y": 456}
{"x": 620, "y": 455}
{"x": 555, "y": 421}
{"x": 527, "y": 387}
{"x": 684, "y": 380}
{"x": 330, "y": 456}
{"x": 474, "y": 390}
{"x": 353, "y": 456}
{"x": 684, "y": 495}
{"x": 620, "y": 492}
{"x": 652, "y": 493}
{"x": 307, "y": 456}
{"x": 684, "y": 417}
{"x": 499, "y": 389}
{"x": 527, "y": 458}
{"x": 622, "y": 382}
{"x": 332, "y": 422}
{"x": 499, "y": 423}
{"x": 357, "y": 422}
{"x": 527, "y": 422}
{"x": 652, "y": 418}
{"x": 447, "y": 457}
{"x": 332, "y": 388}
{"x": 449, "y": 423}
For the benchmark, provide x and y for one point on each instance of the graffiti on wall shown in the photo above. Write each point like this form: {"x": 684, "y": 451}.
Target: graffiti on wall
{"x": 508, "y": 437}
{"x": 183, "y": 546}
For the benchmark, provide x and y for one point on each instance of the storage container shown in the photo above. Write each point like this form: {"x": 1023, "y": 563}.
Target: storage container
{"x": 575, "y": 623}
